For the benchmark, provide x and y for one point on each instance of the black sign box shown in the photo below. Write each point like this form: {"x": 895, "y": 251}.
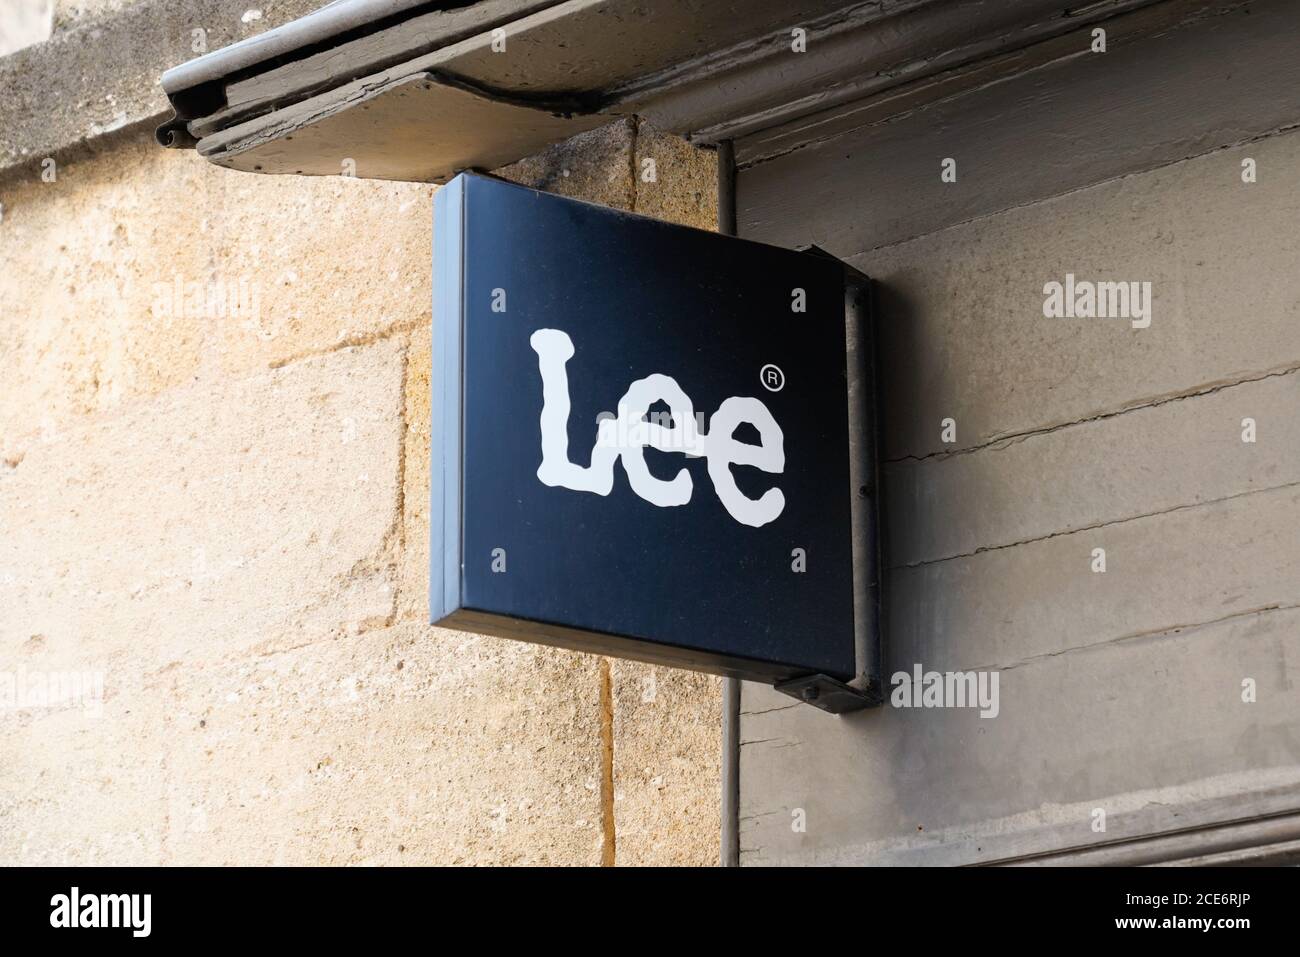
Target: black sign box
{"x": 640, "y": 438}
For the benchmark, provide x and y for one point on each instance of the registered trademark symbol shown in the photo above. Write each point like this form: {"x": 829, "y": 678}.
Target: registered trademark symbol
{"x": 773, "y": 378}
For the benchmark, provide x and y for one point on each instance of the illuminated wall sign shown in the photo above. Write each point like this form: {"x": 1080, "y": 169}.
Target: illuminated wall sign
{"x": 640, "y": 438}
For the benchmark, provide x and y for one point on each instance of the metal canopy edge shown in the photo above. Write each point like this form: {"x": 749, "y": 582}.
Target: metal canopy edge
{"x": 690, "y": 67}
{"x": 319, "y": 26}
{"x": 418, "y": 128}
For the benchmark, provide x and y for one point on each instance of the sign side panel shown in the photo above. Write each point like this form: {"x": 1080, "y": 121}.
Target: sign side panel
{"x": 445, "y": 395}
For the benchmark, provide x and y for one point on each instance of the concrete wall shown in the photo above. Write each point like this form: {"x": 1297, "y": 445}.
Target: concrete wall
{"x": 1121, "y": 691}
{"x": 219, "y": 517}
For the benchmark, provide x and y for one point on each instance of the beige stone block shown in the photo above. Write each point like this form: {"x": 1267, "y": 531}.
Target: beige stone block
{"x": 141, "y": 269}
{"x": 214, "y": 519}
{"x": 403, "y": 745}
{"x": 85, "y": 764}
{"x": 335, "y": 260}
{"x": 594, "y": 166}
{"x": 81, "y": 255}
{"x": 675, "y": 181}
{"x": 666, "y": 723}
{"x": 667, "y": 783}
{"x": 407, "y": 745}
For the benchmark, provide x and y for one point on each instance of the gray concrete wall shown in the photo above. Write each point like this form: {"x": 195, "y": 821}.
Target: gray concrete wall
{"x": 1122, "y": 690}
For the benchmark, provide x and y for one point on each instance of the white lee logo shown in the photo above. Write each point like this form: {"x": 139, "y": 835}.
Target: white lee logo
{"x": 627, "y": 434}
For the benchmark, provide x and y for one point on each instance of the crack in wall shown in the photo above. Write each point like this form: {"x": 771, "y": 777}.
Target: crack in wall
{"x": 395, "y": 538}
{"x": 608, "y": 833}
{"x": 634, "y": 191}
{"x": 1161, "y": 632}
{"x": 784, "y": 707}
{"x": 1088, "y": 528}
{"x": 1001, "y": 442}
{"x": 392, "y": 331}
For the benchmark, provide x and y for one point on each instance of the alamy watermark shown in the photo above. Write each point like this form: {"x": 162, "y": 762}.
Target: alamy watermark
{"x": 1085, "y": 299}
{"x": 949, "y": 689}
{"x": 24, "y": 690}
{"x": 216, "y": 299}
{"x": 129, "y": 911}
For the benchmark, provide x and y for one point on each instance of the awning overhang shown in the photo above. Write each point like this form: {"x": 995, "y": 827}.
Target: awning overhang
{"x": 410, "y": 90}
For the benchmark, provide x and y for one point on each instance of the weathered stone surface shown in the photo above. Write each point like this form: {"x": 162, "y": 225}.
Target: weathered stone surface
{"x": 594, "y": 167}
{"x": 667, "y": 786}
{"x": 1126, "y": 690}
{"x": 85, "y": 780}
{"x": 664, "y": 749}
{"x": 211, "y": 521}
{"x": 413, "y": 567}
{"x": 69, "y": 13}
{"x": 675, "y": 181}
{"x": 666, "y": 723}
{"x": 226, "y": 516}
{"x": 114, "y": 290}
{"x": 98, "y": 73}
{"x": 407, "y": 745}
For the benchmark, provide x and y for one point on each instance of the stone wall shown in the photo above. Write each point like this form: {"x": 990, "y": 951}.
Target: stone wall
{"x": 214, "y": 467}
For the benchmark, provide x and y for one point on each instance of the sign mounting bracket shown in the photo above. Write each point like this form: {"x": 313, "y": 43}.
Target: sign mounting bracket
{"x": 865, "y": 690}
{"x": 830, "y": 694}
